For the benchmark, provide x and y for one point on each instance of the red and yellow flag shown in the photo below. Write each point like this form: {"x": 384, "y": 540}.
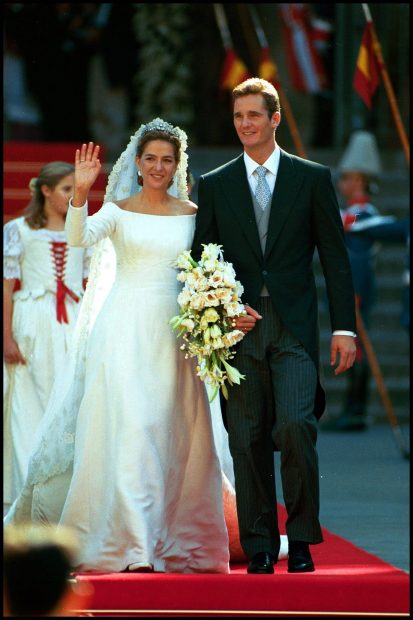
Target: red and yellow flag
{"x": 233, "y": 72}
{"x": 366, "y": 76}
{"x": 267, "y": 69}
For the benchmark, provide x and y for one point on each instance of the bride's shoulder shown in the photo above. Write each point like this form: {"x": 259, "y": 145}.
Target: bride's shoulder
{"x": 121, "y": 203}
{"x": 187, "y": 207}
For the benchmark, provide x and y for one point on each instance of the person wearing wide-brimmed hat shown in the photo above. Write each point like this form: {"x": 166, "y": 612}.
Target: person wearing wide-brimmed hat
{"x": 359, "y": 170}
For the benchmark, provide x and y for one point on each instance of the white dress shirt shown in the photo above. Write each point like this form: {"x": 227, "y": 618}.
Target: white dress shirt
{"x": 272, "y": 164}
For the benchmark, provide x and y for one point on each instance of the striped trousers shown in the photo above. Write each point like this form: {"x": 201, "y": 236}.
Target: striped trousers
{"x": 274, "y": 406}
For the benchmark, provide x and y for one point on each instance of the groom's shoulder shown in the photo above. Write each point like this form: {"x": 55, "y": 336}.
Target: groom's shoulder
{"x": 303, "y": 164}
{"x": 224, "y": 169}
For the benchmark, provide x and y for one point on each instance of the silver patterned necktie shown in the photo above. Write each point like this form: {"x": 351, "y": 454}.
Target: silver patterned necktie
{"x": 263, "y": 192}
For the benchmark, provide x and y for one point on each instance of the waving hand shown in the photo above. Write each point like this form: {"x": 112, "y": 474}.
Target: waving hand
{"x": 87, "y": 169}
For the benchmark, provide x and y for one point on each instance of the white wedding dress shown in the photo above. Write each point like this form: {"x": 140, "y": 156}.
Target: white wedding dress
{"x": 144, "y": 484}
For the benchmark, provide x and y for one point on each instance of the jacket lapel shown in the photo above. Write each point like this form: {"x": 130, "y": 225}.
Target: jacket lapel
{"x": 237, "y": 193}
{"x": 286, "y": 189}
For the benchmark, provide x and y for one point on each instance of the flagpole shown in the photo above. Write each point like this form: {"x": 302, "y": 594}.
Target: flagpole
{"x": 285, "y": 105}
{"x": 234, "y": 70}
{"x": 387, "y": 83}
{"x": 223, "y": 26}
{"x": 381, "y": 387}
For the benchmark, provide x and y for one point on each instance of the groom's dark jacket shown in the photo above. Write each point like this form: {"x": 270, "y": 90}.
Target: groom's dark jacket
{"x": 304, "y": 216}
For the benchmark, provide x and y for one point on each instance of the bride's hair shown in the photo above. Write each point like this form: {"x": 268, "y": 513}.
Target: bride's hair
{"x": 158, "y": 134}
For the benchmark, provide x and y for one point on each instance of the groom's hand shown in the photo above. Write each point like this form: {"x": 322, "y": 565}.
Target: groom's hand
{"x": 345, "y": 347}
{"x": 246, "y": 322}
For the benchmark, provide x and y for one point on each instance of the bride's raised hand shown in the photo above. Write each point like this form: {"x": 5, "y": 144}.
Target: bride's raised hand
{"x": 87, "y": 166}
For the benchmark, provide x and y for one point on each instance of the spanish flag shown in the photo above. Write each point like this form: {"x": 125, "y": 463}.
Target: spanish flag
{"x": 233, "y": 72}
{"x": 267, "y": 69}
{"x": 366, "y": 77}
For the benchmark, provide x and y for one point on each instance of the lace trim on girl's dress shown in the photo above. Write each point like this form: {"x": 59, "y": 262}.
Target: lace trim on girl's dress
{"x": 12, "y": 251}
{"x": 11, "y": 268}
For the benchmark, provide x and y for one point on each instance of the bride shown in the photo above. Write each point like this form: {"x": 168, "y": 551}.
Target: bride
{"x": 125, "y": 454}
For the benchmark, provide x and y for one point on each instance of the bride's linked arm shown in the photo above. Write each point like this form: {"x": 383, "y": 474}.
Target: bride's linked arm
{"x": 82, "y": 230}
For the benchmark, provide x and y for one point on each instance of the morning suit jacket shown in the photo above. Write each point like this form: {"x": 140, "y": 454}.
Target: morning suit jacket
{"x": 304, "y": 216}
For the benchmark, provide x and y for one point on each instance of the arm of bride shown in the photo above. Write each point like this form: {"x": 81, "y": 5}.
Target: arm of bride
{"x": 83, "y": 230}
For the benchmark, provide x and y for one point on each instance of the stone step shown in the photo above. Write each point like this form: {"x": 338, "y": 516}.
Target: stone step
{"x": 375, "y": 414}
{"x": 393, "y": 375}
{"x": 398, "y": 393}
{"x": 395, "y": 383}
{"x": 335, "y": 404}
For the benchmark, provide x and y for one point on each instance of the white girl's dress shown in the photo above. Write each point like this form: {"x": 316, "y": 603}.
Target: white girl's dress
{"x": 50, "y": 275}
{"x": 145, "y": 485}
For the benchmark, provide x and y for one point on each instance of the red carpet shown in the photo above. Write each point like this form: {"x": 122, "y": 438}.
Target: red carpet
{"x": 347, "y": 580}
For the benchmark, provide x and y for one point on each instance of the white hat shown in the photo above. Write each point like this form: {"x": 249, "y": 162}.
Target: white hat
{"x": 361, "y": 155}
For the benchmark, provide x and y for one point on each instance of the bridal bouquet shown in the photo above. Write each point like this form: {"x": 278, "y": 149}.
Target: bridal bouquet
{"x": 209, "y": 301}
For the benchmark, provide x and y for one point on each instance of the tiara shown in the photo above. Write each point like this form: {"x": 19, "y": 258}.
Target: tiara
{"x": 158, "y": 124}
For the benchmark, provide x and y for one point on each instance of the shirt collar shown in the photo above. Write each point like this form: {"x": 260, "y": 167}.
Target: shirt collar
{"x": 271, "y": 163}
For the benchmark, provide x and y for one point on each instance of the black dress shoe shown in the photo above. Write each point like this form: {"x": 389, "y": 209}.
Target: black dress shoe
{"x": 261, "y": 563}
{"x": 299, "y": 557}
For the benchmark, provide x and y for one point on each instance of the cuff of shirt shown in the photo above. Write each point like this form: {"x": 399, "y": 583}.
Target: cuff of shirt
{"x": 343, "y": 332}
{"x": 83, "y": 207}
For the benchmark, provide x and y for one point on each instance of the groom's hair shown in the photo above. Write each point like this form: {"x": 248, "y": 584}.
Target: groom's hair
{"x": 258, "y": 86}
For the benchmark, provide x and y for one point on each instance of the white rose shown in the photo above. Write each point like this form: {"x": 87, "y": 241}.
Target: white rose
{"x": 197, "y": 302}
{"x": 239, "y": 288}
{"x": 233, "y": 308}
{"x": 232, "y": 338}
{"x": 224, "y": 295}
{"x": 210, "y": 298}
{"x": 210, "y": 251}
{"x": 201, "y": 284}
{"x": 210, "y": 265}
{"x": 229, "y": 274}
{"x": 216, "y": 279}
{"x": 184, "y": 298}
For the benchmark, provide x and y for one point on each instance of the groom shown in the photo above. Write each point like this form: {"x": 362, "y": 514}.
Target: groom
{"x": 270, "y": 210}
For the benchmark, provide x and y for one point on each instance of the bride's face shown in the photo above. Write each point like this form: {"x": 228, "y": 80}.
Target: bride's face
{"x": 157, "y": 164}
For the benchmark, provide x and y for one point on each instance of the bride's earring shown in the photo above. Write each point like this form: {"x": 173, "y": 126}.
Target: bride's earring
{"x": 140, "y": 180}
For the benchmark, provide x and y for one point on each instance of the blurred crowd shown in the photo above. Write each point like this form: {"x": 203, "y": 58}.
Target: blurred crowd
{"x": 71, "y": 79}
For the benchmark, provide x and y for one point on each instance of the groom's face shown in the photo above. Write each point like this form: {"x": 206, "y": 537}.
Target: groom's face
{"x": 253, "y": 126}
